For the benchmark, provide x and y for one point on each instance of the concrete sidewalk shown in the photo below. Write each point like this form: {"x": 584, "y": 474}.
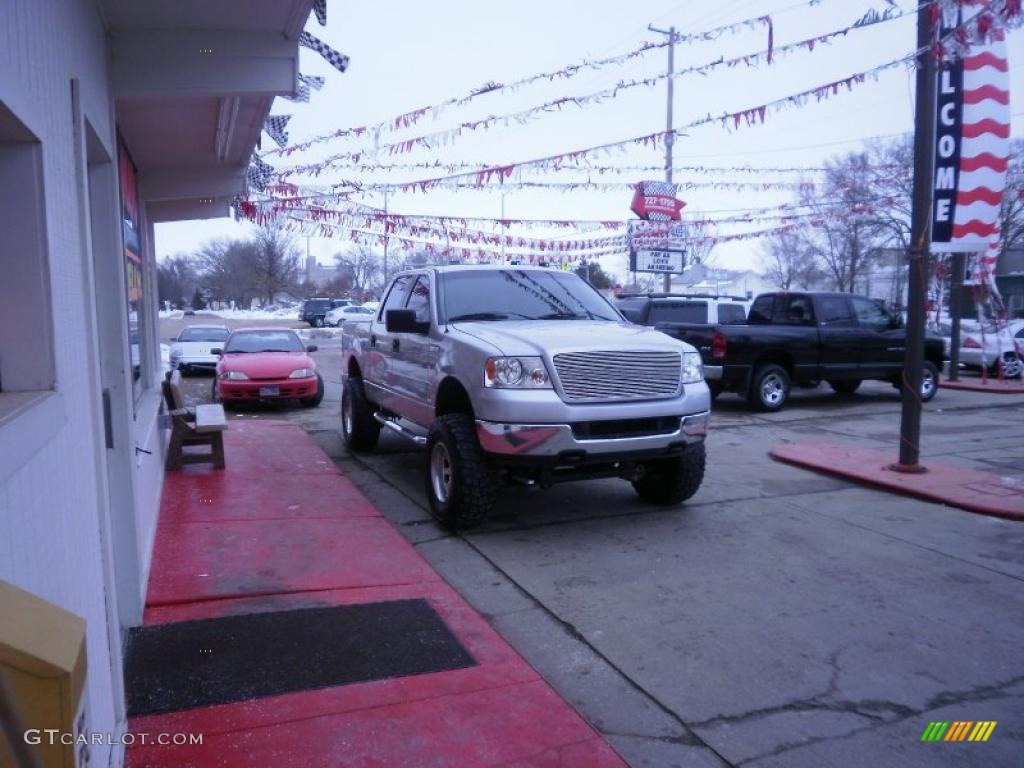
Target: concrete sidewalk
{"x": 282, "y": 529}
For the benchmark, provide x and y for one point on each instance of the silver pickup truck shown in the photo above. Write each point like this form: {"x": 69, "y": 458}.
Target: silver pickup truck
{"x": 522, "y": 374}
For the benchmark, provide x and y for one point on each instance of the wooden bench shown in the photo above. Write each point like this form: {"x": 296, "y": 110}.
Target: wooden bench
{"x": 202, "y": 425}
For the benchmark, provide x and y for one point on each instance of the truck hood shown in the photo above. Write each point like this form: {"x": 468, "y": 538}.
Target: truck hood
{"x": 195, "y": 348}
{"x": 535, "y": 337}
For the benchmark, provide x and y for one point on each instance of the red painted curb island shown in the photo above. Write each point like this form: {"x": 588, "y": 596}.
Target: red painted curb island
{"x": 987, "y": 493}
{"x": 282, "y": 528}
{"x": 994, "y": 386}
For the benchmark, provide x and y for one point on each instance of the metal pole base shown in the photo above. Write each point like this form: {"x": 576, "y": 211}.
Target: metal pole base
{"x": 908, "y": 469}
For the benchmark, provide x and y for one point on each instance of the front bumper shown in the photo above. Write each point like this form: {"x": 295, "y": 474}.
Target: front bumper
{"x": 287, "y": 389}
{"x": 206, "y": 362}
{"x": 565, "y": 441}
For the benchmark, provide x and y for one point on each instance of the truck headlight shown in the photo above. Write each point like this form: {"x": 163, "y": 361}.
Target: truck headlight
{"x": 519, "y": 372}
{"x": 693, "y": 371}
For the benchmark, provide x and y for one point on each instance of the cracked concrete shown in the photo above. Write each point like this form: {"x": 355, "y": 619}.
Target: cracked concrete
{"x": 780, "y": 618}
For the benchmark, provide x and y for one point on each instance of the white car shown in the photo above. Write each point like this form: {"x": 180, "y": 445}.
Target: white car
{"x": 192, "y": 348}
{"x": 979, "y": 349}
{"x": 353, "y": 313}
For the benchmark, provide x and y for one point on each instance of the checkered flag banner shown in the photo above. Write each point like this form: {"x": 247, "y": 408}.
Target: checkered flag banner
{"x": 337, "y": 60}
{"x": 313, "y": 81}
{"x": 320, "y": 9}
{"x": 259, "y": 174}
{"x": 276, "y": 126}
{"x": 301, "y": 93}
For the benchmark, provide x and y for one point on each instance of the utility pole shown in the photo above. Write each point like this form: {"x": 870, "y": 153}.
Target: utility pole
{"x": 956, "y": 295}
{"x": 502, "y": 218}
{"x": 669, "y": 137}
{"x": 387, "y": 226}
{"x": 920, "y": 241}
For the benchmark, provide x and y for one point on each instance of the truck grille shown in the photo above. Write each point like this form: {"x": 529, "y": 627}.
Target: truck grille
{"x": 616, "y": 375}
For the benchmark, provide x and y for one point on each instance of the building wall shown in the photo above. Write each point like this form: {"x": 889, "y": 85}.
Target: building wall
{"x": 55, "y": 524}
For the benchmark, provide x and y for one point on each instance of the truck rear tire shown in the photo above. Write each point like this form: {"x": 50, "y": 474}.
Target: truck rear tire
{"x": 769, "y": 388}
{"x": 674, "y": 480}
{"x": 460, "y": 483}
{"x": 359, "y": 429}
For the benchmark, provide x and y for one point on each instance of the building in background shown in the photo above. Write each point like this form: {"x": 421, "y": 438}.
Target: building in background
{"x": 701, "y": 278}
{"x": 114, "y": 115}
{"x": 1010, "y": 280}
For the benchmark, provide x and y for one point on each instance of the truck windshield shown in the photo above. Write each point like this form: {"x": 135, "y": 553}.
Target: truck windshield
{"x": 521, "y": 294}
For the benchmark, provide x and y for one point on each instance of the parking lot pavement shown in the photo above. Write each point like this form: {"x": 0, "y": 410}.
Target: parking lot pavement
{"x": 779, "y": 618}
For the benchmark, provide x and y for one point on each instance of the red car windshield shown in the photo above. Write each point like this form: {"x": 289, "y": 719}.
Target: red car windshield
{"x": 264, "y": 341}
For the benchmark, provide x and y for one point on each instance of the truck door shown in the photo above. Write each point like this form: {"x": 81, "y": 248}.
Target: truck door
{"x": 414, "y": 357}
{"x": 882, "y": 348}
{"x": 840, "y": 337}
{"x": 379, "y": 355}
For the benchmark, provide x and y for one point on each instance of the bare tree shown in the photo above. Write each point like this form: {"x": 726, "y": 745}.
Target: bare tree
{"x": 789, "y": 262}
{"x": 276, "y": 267}
{"x": 227, "y": 270}
{"x": 363, "y": 268}
{"x": 177, "y": 279}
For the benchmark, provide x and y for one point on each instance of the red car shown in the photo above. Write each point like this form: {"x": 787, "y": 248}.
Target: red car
{"x": 265, "y": 364}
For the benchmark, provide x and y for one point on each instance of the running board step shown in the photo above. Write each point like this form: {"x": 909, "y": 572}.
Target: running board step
{"x": 405, "y": 432}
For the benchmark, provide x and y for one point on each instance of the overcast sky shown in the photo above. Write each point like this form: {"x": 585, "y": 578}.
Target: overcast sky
{"x": 407, "y": 54}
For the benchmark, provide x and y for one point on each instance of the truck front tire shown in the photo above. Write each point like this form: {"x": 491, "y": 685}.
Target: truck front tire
{"x": 674, "y": 480}
{"x": 460, "y": 484}
{"x": 769, "y": 387}
{"x": 359, "y": 429}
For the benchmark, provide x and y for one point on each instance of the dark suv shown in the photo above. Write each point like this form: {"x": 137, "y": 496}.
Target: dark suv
{"x": 313, "y": 311}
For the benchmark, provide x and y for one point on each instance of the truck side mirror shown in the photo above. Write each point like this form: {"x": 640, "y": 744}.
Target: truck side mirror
{"x": 404, "y": 321}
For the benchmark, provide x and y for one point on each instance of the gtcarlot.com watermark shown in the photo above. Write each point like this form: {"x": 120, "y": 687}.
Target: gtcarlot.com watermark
{"x": 53, "y": 736}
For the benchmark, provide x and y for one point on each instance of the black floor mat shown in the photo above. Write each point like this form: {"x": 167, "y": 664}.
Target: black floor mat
{"x": 215, "y": 661}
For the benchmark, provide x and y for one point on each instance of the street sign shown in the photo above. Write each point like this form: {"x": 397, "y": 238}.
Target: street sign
{"x": 657, "y": 261}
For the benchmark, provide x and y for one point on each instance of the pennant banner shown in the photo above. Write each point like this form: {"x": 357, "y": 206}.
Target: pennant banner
{"x": 276, "y": 128}
{"x": 320, "y": 9}
{"x": 259, "y": 174}
{"x": 301, "y": 93}
{"x": 313, "y": 81}
{"x": 337, "y": 60}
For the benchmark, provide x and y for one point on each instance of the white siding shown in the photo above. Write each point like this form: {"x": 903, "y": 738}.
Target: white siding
{"x": 51, "y": 506}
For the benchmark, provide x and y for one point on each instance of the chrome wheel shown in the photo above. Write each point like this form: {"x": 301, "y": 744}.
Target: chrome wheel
{"x": 440, "y": 472}
{"x": 773, "y": 389}
{"x": 346, "y": 415}
{"x": 927, "y": 383}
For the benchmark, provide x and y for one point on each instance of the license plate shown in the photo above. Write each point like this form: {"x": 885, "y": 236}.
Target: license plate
{"x": 270, "y": 391}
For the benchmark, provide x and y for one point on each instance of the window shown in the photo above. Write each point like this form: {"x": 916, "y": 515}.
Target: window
{"x": 396, "y": 296}
{"x": 732, "y": 314}
{"x": 761, "y": 310}
{"x": 135, "y": 282}
{"x": 836, "y": 312}
{"x": 263, "y": 341}
{"x": 419, "y": 299}
{"x": 869, "y": 314}
{"x": 678, "y": 312}
{"x": 799, "y": 311}
{"x": 201, "y": 333}
{"x": 26, "y": 321}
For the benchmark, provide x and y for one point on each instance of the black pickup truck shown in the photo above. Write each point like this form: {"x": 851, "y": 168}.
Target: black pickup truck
{"x": 806, "y": 338}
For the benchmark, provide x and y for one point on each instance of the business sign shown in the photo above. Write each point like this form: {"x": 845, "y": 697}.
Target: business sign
{"x": 972, "y": 143}
{"x": 657, "y": 261}
{"x": 656, "y": 246}
{"x": 656, "y": 201}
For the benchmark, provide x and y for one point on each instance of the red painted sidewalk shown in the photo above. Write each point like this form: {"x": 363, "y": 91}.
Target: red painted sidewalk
{"x": 281, "y": 528}
{"x": 987, "y": 493}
